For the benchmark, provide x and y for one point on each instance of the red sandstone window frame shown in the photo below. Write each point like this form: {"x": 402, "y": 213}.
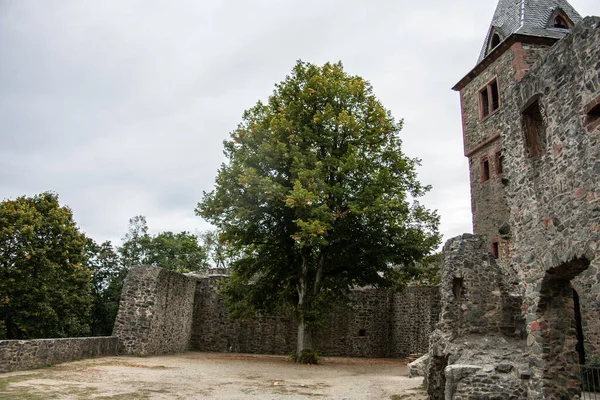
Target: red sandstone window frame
{"x": 592, "y": 115}
{"x": 495, "y": 249}
{"x": 485, "y": 172}
{"x": 498, "y": 158}
{"x": 489, "y": 104}
{"x": 534, "y": 127}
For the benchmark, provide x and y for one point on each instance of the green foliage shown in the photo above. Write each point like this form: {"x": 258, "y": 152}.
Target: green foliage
{"x": 318, "y": 197}
{"x": 430, "y": 270}
{"x": 108, "y": 275}
{"x": 309, "y": 356}
{"x": 180, "y": 252}
{"x": 44, "y": 285}
{"x": 219, "y": 252}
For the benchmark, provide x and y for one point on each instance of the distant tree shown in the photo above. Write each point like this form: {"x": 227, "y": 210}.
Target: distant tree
{"x": 136, "y": 243}
{"x": 44, "y": 284}
{"x": 318, "y": 197}
{"x": 180, "y": 252}
{"x": 219, "y": 252}
{"x": 108, "y": 274}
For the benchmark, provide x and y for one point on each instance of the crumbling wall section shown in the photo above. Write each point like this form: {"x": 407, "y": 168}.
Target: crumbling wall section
{"x": 477, "y": 348}
{"x": 155, "y": 312}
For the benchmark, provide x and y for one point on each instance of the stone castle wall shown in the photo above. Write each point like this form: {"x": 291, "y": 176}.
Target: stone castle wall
{"x": 483, "y": 141}
{"x": 378, "y": 324}
{"x": 555, "y": 205}
{"x": 18, "y": 355}
{"x": 415, "y": 314}
{"x": 165, "y": 312}
{"x": 523, "y": 326}
{"x": 155, "y": 312}
{"x": 477, "y": 350}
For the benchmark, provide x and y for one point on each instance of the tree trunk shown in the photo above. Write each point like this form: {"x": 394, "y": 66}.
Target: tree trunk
{"x": 304, "y": 338}
{"x": 304, "y": 331}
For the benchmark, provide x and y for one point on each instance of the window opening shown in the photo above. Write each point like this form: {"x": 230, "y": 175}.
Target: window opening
{"x": 485, "y": 169}
{"x": 489, "y": 99}
{"x": 592, "y": 117}
{"x": 499, "y": 160}
{"x": 485, "y": 102}
{"x": 495, "y": 96}
{"x": 495, "y": 40}
{"x": 457, "y": 288}
{"x": 559, "y": 22}
{"x": 496, "y": 250}
{"x": 535, "y": 130}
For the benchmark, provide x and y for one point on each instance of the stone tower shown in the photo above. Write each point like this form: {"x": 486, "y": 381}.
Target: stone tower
{"x": 520, "y": 33}
{"x": 526, "y": 322}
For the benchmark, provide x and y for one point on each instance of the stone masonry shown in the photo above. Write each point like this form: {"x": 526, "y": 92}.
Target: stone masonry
{"x": 379, "y": 323}
{"x": 535, "y": 183}
{"x": 155, "y": 312}
{"x": 18, "y": 355}
{"x": 477, "y": 349}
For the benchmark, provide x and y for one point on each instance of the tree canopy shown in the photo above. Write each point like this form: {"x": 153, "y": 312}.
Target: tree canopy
{"x": 180, "y": 252}
{"x": 108, "y": 274}
{"x": 44, "y": 285}
{"x": 318, "y": 198}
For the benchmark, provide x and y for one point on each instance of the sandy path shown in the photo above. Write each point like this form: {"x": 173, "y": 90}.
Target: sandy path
{"x": 214, "y": 376}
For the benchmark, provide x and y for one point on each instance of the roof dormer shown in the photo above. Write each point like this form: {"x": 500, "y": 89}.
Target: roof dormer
{"x": 539, "y": 19}
{"x": 559, "y": 20}
{"x": 495, "y": 38}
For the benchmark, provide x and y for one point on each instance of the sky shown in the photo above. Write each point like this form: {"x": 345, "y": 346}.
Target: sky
{"x": 121, "y": 106}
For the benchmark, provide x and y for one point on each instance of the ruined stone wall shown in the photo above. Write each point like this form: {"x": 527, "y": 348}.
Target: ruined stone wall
{"x": 477, "y": 350}
{"x": 213, "y": 330}
{"x": 554, "y": 201}
{"x": 415, "y": 312}
{"x": 155, "y": 312}
{"x": 378, "y": 324}
{"x": 551, "y": 179}
{"x": 18, "y": 355}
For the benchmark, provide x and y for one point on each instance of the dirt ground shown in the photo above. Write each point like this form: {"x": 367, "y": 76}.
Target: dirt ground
{"x": 214, "y": 376}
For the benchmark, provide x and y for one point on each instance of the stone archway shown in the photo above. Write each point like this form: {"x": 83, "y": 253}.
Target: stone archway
{"x": 554, "y": 336}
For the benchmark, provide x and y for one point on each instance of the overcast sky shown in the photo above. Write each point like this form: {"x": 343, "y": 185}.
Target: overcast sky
{"x": 121, "y": 106}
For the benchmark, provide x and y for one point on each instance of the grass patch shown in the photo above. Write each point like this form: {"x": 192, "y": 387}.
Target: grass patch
{"x": 40, "y": 392}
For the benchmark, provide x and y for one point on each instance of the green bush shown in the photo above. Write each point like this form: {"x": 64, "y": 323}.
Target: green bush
{"x": 309, "y": 356}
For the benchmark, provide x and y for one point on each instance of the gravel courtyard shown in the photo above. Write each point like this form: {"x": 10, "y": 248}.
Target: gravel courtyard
{"x": 214, "y": 376}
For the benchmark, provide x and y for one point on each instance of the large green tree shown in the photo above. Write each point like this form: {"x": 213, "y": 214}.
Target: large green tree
{"x": 44, "y": 284}
{"x": 180, "y": 252}
{"x": 318, "y": 197}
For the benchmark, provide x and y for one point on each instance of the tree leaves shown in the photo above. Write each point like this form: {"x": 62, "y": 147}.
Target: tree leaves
{"x": 316, "y": 175}
{"x": 44, "y": 285}
{"x": 179, "y": 252}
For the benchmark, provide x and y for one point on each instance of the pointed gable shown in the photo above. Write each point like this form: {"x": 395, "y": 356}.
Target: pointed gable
{"x": 528, "y": 17}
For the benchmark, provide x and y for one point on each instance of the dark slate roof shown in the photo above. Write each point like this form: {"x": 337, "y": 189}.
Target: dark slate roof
{"x": 527, "y": 17}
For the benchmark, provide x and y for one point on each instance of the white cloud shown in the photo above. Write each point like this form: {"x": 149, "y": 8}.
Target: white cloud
{"x": 122, "y": 106}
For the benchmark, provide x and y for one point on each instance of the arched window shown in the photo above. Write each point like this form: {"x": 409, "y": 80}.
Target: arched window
{"x": 559, "y": 22}
{"x": 495, "y": 41}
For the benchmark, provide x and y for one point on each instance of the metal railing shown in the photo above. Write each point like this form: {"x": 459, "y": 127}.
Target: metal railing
{"x": 590, "y": 383}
